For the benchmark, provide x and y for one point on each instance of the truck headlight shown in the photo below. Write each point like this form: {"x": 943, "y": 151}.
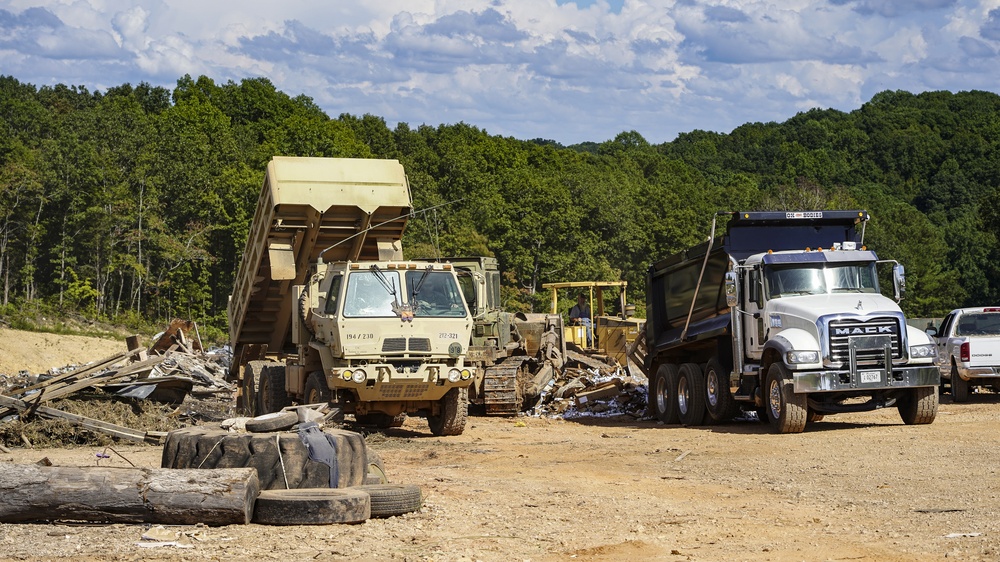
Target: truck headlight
{"x": 359, "y": 376}
{"x": 923, "y": 351}
{"x": 454, "y": 375}
{"x": 793, "y": 357}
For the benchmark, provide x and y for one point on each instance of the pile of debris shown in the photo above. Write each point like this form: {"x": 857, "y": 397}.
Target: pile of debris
{"x": 163, "y": 376}
{"x": 593, "y": 392}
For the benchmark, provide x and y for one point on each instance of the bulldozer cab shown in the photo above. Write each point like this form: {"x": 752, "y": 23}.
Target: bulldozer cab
{"x": 614, "y": 328}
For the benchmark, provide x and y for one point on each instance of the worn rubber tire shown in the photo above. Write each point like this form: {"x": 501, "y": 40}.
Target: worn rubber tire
{"x": 454, "y": 411}
{"x": 786, "y": 410}
{"x": 690, "y": 394}
{"x": 312, "y": 506}
{"x": 812, "y": 416}
{"x": 276, "y": 456}
{"x": 960, "y": 389}
{"x": 720, "y": 405}
{"x": 376, "y": 469}
{"x": 317, "y": 391}
{"x": 271, "y": 395}
{"x": 918, "y": 406}
{"x": 390, "y": 500}
{"x": 662, "y": 402}
{"x": 275, "y": 421}
{"x": 248, "y": 387}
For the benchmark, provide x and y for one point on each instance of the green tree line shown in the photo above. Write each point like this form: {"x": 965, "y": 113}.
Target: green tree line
{"x": 134, "y": 203}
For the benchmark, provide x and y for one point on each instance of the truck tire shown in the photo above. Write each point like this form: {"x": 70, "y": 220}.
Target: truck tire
{"x": 281, "y": 459}
{"x": 960, "y": 388}
{"x": 454, "y": 411}
{"x": 317, "y": 391}
{"x": 690, "y": 394}
{"x": 786, "y": 410}
{"x": 719, "y": 402}
{"x": 376, "y": 469}
{"x": 271, "y": 395}
{"x": 918, "y": 406}
{"x": 248, "y": 387}
{"x": 390, "y": 500}
{"x": 312, "y": 506}
{"x": 275, "y": 421}
{"x": 662, "y": 402}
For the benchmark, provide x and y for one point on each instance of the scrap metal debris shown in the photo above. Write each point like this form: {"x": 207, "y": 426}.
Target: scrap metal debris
{"x": 593, "y": 392}
{"x": 175, "y": 371}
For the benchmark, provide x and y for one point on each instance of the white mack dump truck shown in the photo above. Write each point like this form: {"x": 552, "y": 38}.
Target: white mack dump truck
{"x": 325, "y": 309}
{"x": 783, "y": 315}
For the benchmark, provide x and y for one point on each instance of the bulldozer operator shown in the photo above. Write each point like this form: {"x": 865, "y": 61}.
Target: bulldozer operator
{"x": 580, "y": 315}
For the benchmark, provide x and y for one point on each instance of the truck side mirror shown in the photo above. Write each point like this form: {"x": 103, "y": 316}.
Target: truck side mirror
{"x": 898, "y": 281}
{"x": 731, "y": 296}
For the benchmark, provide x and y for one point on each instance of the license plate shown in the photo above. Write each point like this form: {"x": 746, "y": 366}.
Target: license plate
{"x": 870, "y": 376}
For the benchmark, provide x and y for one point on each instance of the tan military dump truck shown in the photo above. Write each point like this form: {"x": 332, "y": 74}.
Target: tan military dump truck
{"x": 325, "y": 309}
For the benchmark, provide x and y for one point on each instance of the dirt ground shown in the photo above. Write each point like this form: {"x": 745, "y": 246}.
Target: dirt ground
{"x": 853, "y": 487}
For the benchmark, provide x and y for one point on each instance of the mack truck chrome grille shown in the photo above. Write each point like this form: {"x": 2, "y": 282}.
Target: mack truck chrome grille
{"x": 869, "y": 339}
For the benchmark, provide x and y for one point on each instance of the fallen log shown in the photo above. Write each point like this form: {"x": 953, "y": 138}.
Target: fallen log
{"x": 223, "y": 496}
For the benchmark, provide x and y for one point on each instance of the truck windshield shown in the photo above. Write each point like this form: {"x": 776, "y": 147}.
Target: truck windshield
{"x": 434, "y": 294}
{"x": 366, "y": 296}
{"x": 821, "y": 280}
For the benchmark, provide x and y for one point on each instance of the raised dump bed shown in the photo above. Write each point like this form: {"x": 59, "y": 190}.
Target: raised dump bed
{"x": 335, "y": 208}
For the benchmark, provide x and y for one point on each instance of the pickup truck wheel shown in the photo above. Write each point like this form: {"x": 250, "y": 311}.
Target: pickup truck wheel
{"x": 317, "y": 391}
{"x": 719, "y": 402}
{"x": 690, "y": 394}
{"x": 960, "y": 388}
{"x": 662, "y": 401}
{"x": 271, "y": 395}
{"x": 454, "y": 411}
{"x": 919, "y": 405}
{"x": 786, "y": 410}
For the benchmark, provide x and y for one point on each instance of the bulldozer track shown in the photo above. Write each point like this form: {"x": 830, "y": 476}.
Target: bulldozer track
{"x": 501, "y": 393}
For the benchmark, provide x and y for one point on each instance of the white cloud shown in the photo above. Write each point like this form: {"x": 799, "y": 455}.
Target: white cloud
{"x": 572, "y": 70}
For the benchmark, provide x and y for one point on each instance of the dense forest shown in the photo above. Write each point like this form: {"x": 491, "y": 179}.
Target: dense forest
{"x": 134, "y": 203}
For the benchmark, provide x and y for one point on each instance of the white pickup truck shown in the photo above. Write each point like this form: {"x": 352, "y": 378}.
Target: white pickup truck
{"x": 968, "y": 344}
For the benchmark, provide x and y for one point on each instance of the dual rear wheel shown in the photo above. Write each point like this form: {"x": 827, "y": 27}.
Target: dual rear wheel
{"x": 692, "y": 394}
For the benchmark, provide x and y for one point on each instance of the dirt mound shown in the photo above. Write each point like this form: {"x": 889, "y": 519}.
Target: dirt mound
{"x": 38, "y": 352}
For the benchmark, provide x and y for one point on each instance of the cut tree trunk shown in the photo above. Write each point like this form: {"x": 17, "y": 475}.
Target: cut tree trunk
{"x": 30, "y": 492}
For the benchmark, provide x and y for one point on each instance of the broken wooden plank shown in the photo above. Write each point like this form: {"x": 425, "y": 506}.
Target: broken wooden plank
{"x": 59, "y": 391}
{"x": 221, "y": 496}
{"x": 154, "y": 437}
{"x": 99, "y": 366}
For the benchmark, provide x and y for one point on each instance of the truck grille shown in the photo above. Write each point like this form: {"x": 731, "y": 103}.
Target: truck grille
{"x": 392, "y": 345}
{"x": 397, "y": 345}
{"x": 870, "y": 337}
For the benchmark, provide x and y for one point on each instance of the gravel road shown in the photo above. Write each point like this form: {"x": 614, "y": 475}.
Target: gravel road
{"x": 852, "y": 487}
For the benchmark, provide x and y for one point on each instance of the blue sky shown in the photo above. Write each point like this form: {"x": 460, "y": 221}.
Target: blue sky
{"x": 567, "y": 70}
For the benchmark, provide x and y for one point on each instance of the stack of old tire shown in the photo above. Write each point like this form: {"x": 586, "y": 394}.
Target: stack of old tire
{"x": 348, "y": 485}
